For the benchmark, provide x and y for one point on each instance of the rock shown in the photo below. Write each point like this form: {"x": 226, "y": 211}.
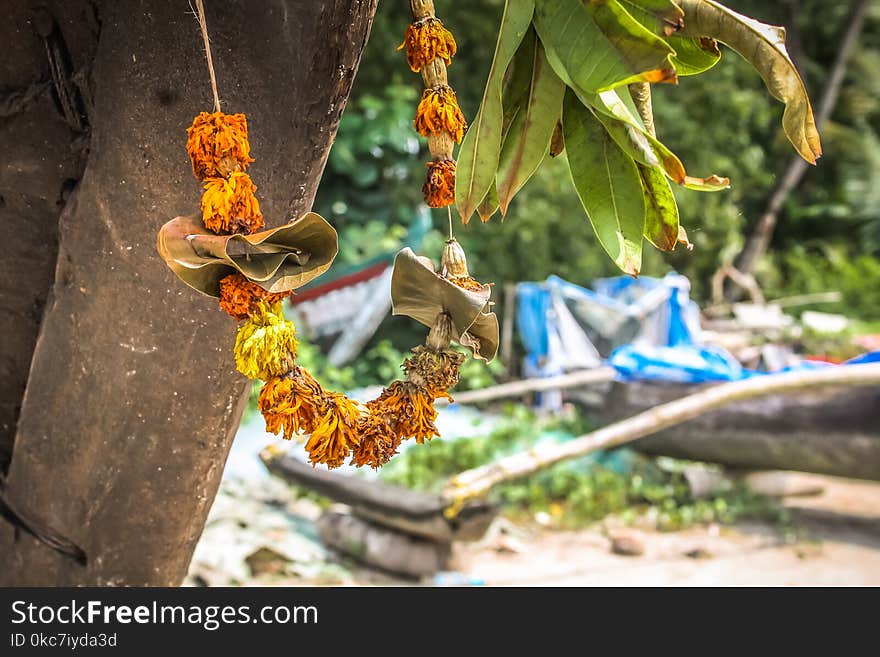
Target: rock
{"x": 698, "y": 553}
{"x": 627, "y": 545}
{"x": 266, "y": 561}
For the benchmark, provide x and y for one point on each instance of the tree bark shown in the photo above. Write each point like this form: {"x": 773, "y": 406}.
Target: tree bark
{"x": 132, "y": 399}
{"x": 759, "y": 239}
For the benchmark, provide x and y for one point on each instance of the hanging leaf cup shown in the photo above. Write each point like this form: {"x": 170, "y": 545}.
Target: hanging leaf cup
{"x": 419, "y": 292}
{"x": 278, "y": 260}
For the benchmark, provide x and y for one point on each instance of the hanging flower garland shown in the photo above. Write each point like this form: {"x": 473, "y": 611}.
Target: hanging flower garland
{"x": 224, "y": 253}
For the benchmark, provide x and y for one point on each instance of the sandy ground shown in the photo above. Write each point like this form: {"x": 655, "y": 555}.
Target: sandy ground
{"x": 836, "y": 542}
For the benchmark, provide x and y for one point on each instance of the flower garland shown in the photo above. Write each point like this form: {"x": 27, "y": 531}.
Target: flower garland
{"x": 429, "y": 48}
{"x": 333, "y": 427}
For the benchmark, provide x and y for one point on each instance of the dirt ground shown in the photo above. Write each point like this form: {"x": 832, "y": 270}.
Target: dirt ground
{"x": 834, "y": 539}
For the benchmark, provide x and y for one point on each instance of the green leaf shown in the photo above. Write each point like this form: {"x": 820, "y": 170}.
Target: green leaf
{"x": 661, "y": 211}
{"x": 600, "y": 45}
{"x": 763, "y": 46}
{"x": 489, "y": 205}
{"x": 693, "y": 56}
{"x": 617, "y": 113}
{"x": 481, "y": 147}
{"x": 608, "y": 184}
{"x": 528, "y": 139}
{"x": 517, "y": 80}
{"x": 664, "y": 18}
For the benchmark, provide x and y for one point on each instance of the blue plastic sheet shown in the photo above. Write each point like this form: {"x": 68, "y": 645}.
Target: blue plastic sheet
{"x": 680, "y": 364}
{"x": 651, "y": 325}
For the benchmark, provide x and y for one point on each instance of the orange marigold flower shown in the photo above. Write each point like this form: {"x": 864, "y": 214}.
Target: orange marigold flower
{"x": 240, "y": 298}
{"x": 438, "y": 112}
{"x": 218, "y": 144}
{"x": 292, "y": 403}
{"x": 379, "y": 441}
{"x": 426, "y": 40}
{"x": 335, "y": 434}
{"x": 229, "y": 205}
{"x": 410, "y": 408}
{"x": 439, "y": 187}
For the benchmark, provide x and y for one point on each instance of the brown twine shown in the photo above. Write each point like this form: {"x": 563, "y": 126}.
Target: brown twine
{"x": 200, "y": 8}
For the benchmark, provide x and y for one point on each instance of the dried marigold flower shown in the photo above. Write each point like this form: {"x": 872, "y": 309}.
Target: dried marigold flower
{"x": 265, "y": 345}
{"x": 379, "y": 441}
{"x": 426, "y": 40}
{"x": 240, "y": 297}
{"x": 438, "y": 111}
{"x": 439, "y": 187}
{"x": 410, "y": 408}
{"x": 291, "y": 403}
{"x": 335, "y": 433}
{"x": 217, "y": 144}
{"x": 466, "y": 283}
{"x": 436, "y": 370}
{"x": 230, "y": 206}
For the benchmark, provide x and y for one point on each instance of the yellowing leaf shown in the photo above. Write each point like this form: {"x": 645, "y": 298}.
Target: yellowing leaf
{"x": 764, "y": 48}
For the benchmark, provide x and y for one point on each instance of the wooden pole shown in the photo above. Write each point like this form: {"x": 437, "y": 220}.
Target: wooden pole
{"x": 525, "y": 386}
{"x": 476, "y": 482}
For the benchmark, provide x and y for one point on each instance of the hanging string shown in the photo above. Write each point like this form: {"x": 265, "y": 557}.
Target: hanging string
{"x": 449, "y": 215}
{"x": 200, "y": 7}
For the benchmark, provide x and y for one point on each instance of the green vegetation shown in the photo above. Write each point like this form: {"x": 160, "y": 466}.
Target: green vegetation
{"x": 578, "y": 493}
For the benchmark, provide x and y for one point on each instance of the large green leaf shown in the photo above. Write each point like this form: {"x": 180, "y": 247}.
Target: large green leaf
{"x": 481, "y": 147}
{"x": 600, "y": 45}
{"x": 517, "y": 80}
{"x": 661, "y": 211}
{"x": 608, "y": 184}
{"x": 528, "y": 138}
{"x": 665, "y": 18}
{"x": 764, "y": 47}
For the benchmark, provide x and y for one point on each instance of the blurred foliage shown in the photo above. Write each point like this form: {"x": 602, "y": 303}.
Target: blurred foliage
{"x": 380, "y": 364}
{"x": 722, "y": 122}
{"x": 579, "y": 492}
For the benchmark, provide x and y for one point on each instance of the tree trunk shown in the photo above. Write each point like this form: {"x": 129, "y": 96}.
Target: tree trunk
{"x": 132, "y": 399}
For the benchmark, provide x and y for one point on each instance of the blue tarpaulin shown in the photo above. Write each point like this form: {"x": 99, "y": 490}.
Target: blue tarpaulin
{"x": 646, "y": 328}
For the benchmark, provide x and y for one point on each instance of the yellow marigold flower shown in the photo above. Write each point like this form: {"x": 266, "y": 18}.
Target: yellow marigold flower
{"x": 218, "y": 144}
{"x": 266, "y": 344}
{"x": 379, "y": 441}
{"x": 426, "y": 40}
{"x": 291, "y": 403}
{"x": 439, "y": 187}
{"x": 229, "y": 205}
{"x": 240, "y": 297}
{"x": 438, "y": 112}
{"x": 335, "y": 434}
{"x": 436, "y": 371}
{"x": 410, "y": 408}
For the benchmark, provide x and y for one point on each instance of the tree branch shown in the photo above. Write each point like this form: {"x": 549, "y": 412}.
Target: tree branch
{"x": 759, "y": 240}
